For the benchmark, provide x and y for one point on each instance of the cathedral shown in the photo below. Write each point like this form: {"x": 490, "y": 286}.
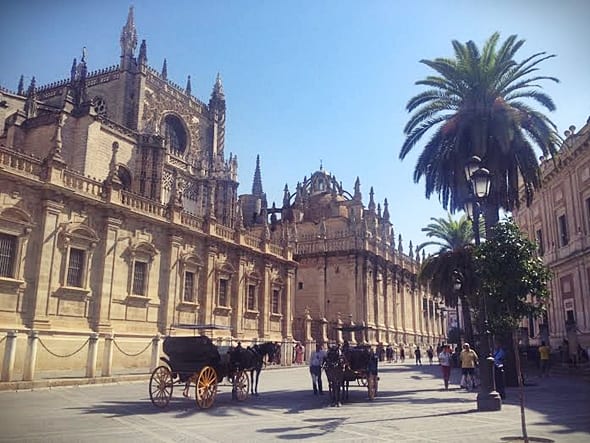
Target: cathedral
{"x": 120, "y": 220}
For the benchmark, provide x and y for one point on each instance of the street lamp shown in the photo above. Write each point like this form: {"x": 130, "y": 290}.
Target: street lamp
{"x": 488, "y": 398}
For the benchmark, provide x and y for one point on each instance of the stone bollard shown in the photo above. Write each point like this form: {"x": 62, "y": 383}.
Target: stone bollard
{"x": 92, "y": 354}
{"x": 31, "y": 356}
{"x": 9, "y": 355}
{"x": 155, "y": 352}
{"x": 107, "y": 360}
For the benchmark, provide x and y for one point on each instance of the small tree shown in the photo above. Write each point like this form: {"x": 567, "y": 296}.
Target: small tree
{"x": 514, "y": 280}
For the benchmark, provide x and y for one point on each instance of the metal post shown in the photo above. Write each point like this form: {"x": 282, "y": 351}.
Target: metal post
{"x": 9, "y": 356}
{"x": 488, "y": 398}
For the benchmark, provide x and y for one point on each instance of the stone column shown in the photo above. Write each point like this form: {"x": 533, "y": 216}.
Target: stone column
{"x": 289, "y": 302}
{"x": 48, "y": 259}
{"x": 264, "y": 303}
{"x": 324, "y": 326}
{"x": 31, "y": 356}
{"x": 9, "y": 356}
{"x": 109, "y": 254}
{"x": 339, "y": 329}
{"x": 239, "y": 306}
{"x": 206, "y": 314}
{"x": 107, "y": 361}
{"x": 170, "y": 302}
{"x": 92, "y": 355}
{"x": 155, "y": 352}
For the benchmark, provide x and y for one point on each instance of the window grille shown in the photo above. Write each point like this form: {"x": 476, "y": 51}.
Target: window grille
{"x": 7, "y": 255}
{"x": 563, "y": 230}
{"x": 251, "y": 298}
{"x": 275, "y": 302}
{"x": 189, "y": 286}
{"x": 222, "y": 292}
{"x": 76, "y": 268}
{"x": 139, "y": 277}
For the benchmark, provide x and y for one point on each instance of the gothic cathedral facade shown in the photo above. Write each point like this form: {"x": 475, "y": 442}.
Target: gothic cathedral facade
{"x": 120, "y": 217}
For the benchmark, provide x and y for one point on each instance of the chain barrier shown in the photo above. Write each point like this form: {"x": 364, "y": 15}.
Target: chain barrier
{"x": 65, "y": 355}
{"x": 130, "y": 354}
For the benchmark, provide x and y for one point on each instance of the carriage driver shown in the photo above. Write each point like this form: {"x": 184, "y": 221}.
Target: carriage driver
{"x": 315, "y": 368}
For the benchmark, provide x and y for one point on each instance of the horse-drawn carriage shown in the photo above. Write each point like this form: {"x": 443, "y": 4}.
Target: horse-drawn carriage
{"x": 197, "y": 361}
{"x": 345, "y": 364}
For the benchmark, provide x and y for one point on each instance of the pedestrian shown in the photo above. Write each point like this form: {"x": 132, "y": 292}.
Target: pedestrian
{"x": 418, "y": 355}
{"x": 499, "y": 376}
{"x": 445, "y": 359}
{"x": 402, "y": 354}
{"x": 430, "y": 353}
{"x": 469, "y": 361}
{"x": 316, "y": 361}
{"x": 544, "y": 355}
{"x": 389, "y": 353}
{"x": 298, "y": 354}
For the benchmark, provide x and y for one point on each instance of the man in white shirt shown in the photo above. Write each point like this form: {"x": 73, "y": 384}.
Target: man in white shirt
{"x": 315, "y": 368}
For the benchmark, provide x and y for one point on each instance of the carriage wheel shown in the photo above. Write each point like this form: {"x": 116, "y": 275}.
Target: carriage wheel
{"x": 206, "y": 387}
{"x": 372, "y": 386}
{"x": 241, "y": 385}
{"x": 362, "y": 381}
{"x": 161, "y": 385}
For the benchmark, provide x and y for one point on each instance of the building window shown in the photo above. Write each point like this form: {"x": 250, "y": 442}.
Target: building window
{"x": 222, "y": 292}
{"x": 75, "y": 276}
{"x": 563, "y": 234}
{"x": 174, "y": 135}
{"x": 425, "y": 307}
{"x": 300, "y": 285}
{"x": 251, "y": 298}
{"x": 139, "y": 278}
{"x": 8, "y": 245}
{"x": 275, "y": 302}
{"x": 539, "y": 236}
{"x": 569, "y": 317}
{"x": 189, "y": 287}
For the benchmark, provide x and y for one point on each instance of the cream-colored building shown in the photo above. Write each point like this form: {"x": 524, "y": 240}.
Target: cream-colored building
{"x": 559, "y": 220}
{"x": 120, "y": 220}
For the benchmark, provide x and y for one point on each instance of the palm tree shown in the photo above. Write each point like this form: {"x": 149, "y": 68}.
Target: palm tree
{"x": 455, "y": 240}
{"x": 477, "y": 105}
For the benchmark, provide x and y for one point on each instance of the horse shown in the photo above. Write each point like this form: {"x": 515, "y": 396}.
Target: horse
{"x": 335, "y": 367}
{"x": 252, "y": 359}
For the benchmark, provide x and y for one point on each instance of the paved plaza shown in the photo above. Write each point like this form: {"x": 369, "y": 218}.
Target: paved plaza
{"x": 411, "y": 406}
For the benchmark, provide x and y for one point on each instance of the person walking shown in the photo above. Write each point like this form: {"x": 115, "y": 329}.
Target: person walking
{"x": 544, "y": 355}
{"x": 315, "y": 368}
{"x": 402, "y": 354}
{"x": 430, "y": 353}
{"x": 418, "y": 355}
{"x": 499, "y": 376}
{"x": 469, "y": 361}
{"x": 298, "y": 354}
{"x": 445, "y": 361}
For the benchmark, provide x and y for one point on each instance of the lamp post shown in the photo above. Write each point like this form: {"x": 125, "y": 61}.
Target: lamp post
{"x": 457, "y": 285}
{"x": 488, "y": 398}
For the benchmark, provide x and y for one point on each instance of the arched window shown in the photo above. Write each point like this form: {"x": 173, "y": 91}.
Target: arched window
{"x": 124, "y": 177}
{"x": 174, "y": 135}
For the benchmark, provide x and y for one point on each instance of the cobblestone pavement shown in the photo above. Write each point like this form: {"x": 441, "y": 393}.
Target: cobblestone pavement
{"x": 410, "y": 407}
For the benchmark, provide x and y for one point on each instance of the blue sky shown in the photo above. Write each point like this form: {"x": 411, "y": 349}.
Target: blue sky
{"x": 307, "y": 81}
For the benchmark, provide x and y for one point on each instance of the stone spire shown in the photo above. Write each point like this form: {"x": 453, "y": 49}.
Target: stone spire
{"x": 379, "y": 210}
{"x": 188, "y": 86}
{"x": 217, "y": 110}
{"x": 218, "y": 88}
{"x": 31, "y": 102}
{"x": 165, "y": 70}
{"x": 411, "y": 252}
{"x": 371, "y": 201}
{"x": 142, "y": 58}
{"x": 386, "y": 211}
{"x": 286, "y": 196}
{"x": 400, "y": 247}
{"x": 357, "y": 190}
{"x": 257, "y": 183}
{"x": 21, "y": 85}
{"x": 73, "y": 70}
{"x": 129, "y": 36}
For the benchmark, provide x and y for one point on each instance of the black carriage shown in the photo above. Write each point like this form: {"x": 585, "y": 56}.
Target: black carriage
{"x": 196, "y": 361}
{"x": 362, "y": 364}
